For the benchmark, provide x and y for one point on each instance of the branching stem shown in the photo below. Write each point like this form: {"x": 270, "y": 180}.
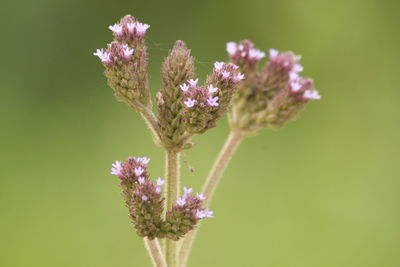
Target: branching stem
{"x": 213, "y": 179}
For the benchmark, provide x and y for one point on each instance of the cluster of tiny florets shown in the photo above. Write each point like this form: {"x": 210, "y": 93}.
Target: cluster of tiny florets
{"x": 125, "y": 62}
{"x": 203, "y": 105}
{"x": 244, "y": 54}
{"x": 185, "y": 214}
{"x": 199, "y": 96}
{"x": 272, "y": 96}
{"x": 146, "y": 205}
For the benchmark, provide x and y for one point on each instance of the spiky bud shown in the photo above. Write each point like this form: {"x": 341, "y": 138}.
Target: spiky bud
{"x": 125, "y": 62}
{"x": 270, "y": 97}
{"x": 177, "y": 68}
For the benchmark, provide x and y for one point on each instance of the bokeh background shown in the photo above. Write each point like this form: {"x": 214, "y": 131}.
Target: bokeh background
{"x": 322, "y": 191}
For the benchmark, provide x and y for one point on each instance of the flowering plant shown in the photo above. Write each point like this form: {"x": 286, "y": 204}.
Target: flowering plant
{"x": 254, "y": 99}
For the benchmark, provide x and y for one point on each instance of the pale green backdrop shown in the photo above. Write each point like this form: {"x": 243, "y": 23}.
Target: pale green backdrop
{"x": 322, "y": 192}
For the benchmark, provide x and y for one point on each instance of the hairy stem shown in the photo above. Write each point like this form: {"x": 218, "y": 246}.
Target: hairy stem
{"x": 213, "y": 179}
{"x": 171, "y": 195}
{"x": 150, "y": 119}
{"x": 154, "y": 249}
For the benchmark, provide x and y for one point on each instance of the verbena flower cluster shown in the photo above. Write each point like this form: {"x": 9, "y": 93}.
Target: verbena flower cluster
{"x": 184, "y": 107}
{"x": 269, "y": 97}
{"x": 256, "y": 98}
{"x": 146, "y": 205}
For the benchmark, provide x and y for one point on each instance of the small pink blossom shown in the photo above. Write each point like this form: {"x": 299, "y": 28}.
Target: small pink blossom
{"x": 160, "y": 181}
{"x": 295, "y": 85}
{"x": 297, "y": 68}
{"x": 187, "y": 191}
{"x": 201, "y": 196}
{"x": 117, "y": 168}
{"x": 105, "y": 57}
{"x": 141, "y": 180}
{"x": 192, "y": 82}
{"x": 144, "y": 160}
{"x": 256, "y": 54}
{"x": 138, "y": 171}
{"x": 144, "y": 198}
{"x": 141, "y": 28}
{"x": 218, "y": 65}
{"x": 212, "y": 89}
{"x": 213, "y": 101}
{"x": 189, "y": 102}
{"x": 231, "y": 48}
{"x": 238, "y": 77}
{"x": 273, "y": 53}
{"x": 308, "y": 94}
{"x": 116, "y": 28}
{"x": 127, "y": 52}
{"x": 181, "y": 201}
{"x": 184, "y": 87}
{"x": 226, "y": 74}
{"x": 131, "y": 27}
{"x": 293, "y": 75}
{"x": 201, "y": 214}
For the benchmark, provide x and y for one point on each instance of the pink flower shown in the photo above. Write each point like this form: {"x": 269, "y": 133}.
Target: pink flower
{"x": 273, "y": 53}
{"x": 226, "y": 74}
{"x": 117, "y": 168}
{"x": 256, "y": 54}
{"x": 141, "y": 180}
{"x": 218, "y": 65}
{"x": 297, "y": 68}
{"x": 189, "y": 102}
{"x": 212, "y": 89}
{"x": 144, "y": 160}
{"x": 138, "y": 171}
{"x": 308, "y": 94}
{"x": 141, "y": 28}
{"x": 213, "y": 101}
{"x": 116, "y": 28}
{"x": 144, "y": 198}
{"x": 192, "y": 82}
{"x": 131, "y": 27}
{"x": 184, "y": 87}
{"x": 201, "y": 196}
{"x": 181, "y": 201}
{"x": 127, "y": 52}
{"x": 201, "y": 214}
{"x": 295, "y": 85}
{"x": 231, "y": 48}
{"x": 160, "y": 181}
{"x": 238, "y": 77}
{"x": 105, "y": 57}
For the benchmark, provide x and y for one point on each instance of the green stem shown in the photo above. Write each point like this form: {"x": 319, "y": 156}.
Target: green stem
{"x": 213, "y": 179}
{"x": 171, "y": 195}
{"x": 154, "y": 249}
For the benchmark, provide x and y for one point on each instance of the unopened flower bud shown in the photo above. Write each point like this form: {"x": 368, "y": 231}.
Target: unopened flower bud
{"x": 177, "y": 70}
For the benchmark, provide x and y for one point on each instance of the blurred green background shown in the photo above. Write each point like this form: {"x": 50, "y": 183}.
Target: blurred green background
{"x": 323, "y": 191}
